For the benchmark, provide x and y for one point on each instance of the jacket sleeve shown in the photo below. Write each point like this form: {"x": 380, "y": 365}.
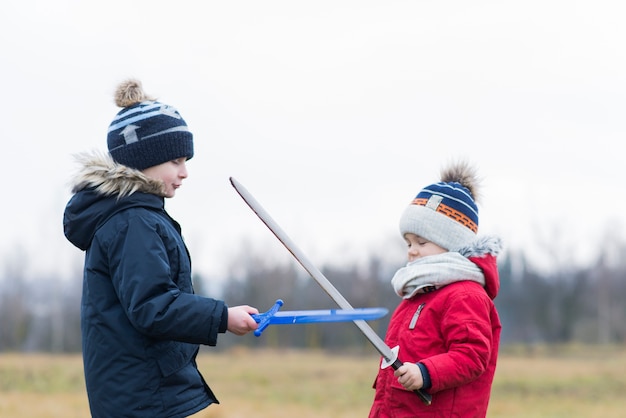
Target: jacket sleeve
{"x": 467, "y": 332}
{"x": 154, "y": 304}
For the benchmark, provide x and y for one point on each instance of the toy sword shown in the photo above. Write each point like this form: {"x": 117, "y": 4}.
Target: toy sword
{"x": 390, "y": 356}
{"x": 273, "y": 317}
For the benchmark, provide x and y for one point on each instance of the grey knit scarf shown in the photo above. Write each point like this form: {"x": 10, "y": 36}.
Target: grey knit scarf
{"x": 434, "y": 271}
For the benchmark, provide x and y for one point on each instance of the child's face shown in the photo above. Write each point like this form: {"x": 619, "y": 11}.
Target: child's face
{"x": 171, "y": 173}
{"x": 420, "y": 247}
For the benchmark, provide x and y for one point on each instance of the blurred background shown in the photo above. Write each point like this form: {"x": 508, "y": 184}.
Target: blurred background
{"x": 334, "y": 114}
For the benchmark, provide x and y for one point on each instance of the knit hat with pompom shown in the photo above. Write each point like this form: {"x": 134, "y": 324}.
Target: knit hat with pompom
{"x": 145, "y": 132}
{"x": 445, "y": 213}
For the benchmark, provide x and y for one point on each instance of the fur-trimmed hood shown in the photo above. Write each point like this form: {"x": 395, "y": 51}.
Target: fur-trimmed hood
{"x": 482, "y": 246}
{"x": 483, "y": 252}
{"x": 102, "y": 188}
{"x": 98, "y": 170}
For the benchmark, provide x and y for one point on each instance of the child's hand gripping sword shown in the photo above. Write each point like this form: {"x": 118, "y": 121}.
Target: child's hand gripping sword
{"x": 389, "y": 355}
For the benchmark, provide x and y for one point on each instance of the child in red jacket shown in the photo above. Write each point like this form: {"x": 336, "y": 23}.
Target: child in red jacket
{"x": 446, "y": 326}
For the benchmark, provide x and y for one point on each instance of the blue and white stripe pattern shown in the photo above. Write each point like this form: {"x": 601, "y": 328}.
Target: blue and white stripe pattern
{"x": 147, "y": 134}
{"x": 443, "y": 213}
{"x": 139, "y": 112}
{"x": 455, "y": 196}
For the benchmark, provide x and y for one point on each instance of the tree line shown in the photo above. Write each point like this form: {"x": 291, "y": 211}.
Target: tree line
{"x": 566, "y": 304}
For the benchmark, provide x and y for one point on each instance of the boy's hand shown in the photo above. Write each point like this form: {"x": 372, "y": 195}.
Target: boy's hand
{"x": 239, "y": 320}
{"x": 409, "y": 376}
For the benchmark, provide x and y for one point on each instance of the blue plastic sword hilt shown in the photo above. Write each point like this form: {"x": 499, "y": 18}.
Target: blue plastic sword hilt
{"x": 263, "y": 319}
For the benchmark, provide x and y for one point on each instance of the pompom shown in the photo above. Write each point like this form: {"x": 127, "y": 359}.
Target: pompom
{"x": 130, "y": 92}
{"x": 462, "y": 172}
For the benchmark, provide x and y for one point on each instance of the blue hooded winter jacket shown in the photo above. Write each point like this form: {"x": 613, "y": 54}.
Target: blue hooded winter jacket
{"x": 141, "y": 321}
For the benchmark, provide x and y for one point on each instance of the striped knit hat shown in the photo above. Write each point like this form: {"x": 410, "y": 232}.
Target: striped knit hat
{"x": 145, "y": 132}
{"x": 445, "y": 213}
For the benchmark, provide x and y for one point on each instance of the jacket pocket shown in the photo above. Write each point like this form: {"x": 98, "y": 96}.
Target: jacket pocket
{"x": 174, "y": 357}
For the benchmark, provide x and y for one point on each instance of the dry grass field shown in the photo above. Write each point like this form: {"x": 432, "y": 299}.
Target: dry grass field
{"x": 544, "y": 382}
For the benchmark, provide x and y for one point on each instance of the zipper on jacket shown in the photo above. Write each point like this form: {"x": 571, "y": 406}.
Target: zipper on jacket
{"x": 416, "y": 315}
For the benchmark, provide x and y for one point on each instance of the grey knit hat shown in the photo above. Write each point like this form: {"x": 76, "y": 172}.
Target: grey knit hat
{"x": 146, "y": 132}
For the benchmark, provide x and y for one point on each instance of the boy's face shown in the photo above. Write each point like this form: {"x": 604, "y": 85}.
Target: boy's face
{"x": 171, "y": 173}
{"x": 420, "y": 247}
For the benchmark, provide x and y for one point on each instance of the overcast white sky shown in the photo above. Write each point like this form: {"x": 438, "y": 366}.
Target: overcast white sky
{"x": 334, "y": 114}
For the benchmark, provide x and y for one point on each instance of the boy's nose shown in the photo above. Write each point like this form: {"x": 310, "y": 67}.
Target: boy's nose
{"x": 183, "y": 172}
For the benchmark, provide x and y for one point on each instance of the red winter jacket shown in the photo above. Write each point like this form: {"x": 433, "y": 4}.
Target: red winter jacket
{"x": 456, "y": 337}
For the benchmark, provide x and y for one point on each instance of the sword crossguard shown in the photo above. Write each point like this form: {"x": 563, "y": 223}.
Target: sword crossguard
{"x": 263, "y": 319}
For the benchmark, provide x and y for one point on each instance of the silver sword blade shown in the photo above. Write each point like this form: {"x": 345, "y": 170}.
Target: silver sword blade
{"x": 388, "y": 354}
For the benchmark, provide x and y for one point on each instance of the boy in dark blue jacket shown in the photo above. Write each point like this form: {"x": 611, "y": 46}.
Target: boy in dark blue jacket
{"x": 141, "y": 321}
